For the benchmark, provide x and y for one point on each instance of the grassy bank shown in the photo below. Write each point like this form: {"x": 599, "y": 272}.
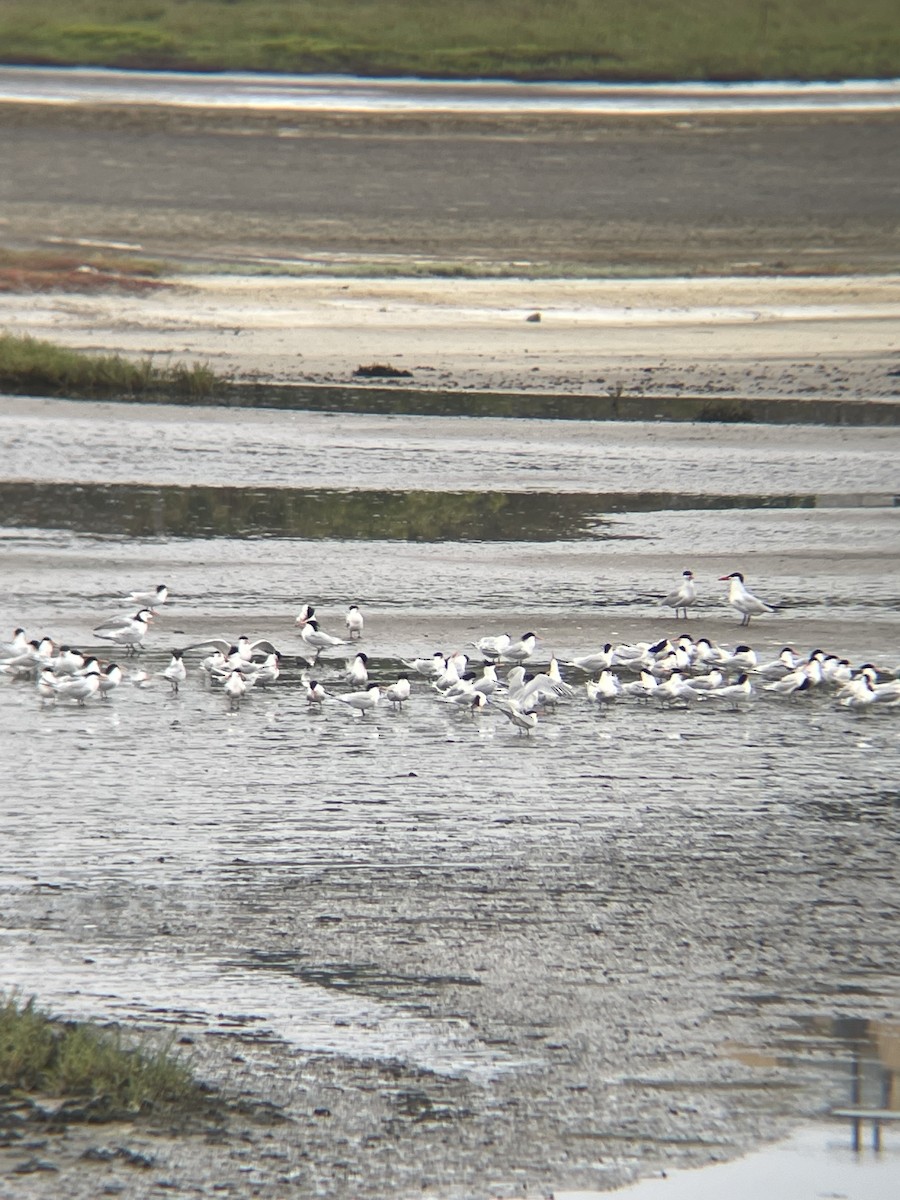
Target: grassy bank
{"x": 63, "y": 1058}
{"x": 526, "y": 39}
{"x": 31, "y": 367}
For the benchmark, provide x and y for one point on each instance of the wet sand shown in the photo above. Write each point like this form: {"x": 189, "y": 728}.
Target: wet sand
{"x": 837, "y": 338}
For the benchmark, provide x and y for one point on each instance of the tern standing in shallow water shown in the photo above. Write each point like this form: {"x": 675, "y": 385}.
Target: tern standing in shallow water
{"x": 175, "y": 672}
{"x": 317, "y": 639}
{"x": 364, "y": 701}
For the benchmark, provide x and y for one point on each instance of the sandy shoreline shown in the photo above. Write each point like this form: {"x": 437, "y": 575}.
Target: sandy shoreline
{"x": 811, "y": 337}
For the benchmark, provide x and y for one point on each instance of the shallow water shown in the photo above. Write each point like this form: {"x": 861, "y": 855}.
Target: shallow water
{"x": 640, "y": 936}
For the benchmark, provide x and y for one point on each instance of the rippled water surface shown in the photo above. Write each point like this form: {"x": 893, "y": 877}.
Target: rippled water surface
{"x": 667, "y": 930}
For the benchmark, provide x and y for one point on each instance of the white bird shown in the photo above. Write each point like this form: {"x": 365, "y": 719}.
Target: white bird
{"x": 68, "y": 661}
{"x": 523, "y": 721}
{"x": 126, "y": 631}
{"x": 860, "y": 695}
{"x": 354, "y": 622}
{"x": 79, "y": 687}
{"x": 46, "y": 684}
{"x": 459, "y": 661}
{"x": 267, "y": 671}
{"x": 795, "y": 681}
{"x": 29, "y": 662}
{"x": 357, "y": 671}
{"x": 676, "y": 690}
{"x": 683, "y": 596}
{"x": 110, "y": 678}
{"x": 605, "y": 690}
{"x": 738, "y": 693}
{"x": 707, "y": 652}
{"x": 517, "y": 652}
{"x": 364, "y": 701}
{"x": 235, "y": 687}
{"x": 492, "y": 647}
{"x": 175, "y": 672}
{"x": 432, "y": 667}
{"x": 601, "y": 661}
{"x": 777, "y": 668}
{"x": 154, "y": 599}
{"x": 448, "y": 678}
{"x": 315, "y": 693}
{"x": 398, "y": 692}
{"x": 528, "y": 691}
{"x": 215, "y": 666}
{"x": 17, "y": 646}
{"x": 306, "y": 613}
{"x": 317, "y": 639}
{"x": 743, "y": 601}
{"x": 742, "y": 658}
{"x": 643, "y": 688}
{"x": 488, "y": 683}
{"x": 707, "y": 683}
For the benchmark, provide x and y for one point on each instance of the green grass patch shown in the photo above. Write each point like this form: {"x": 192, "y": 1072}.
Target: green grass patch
{"x": 39, "y": 1054}
{"x": 31, "y": 367}
{"x": 524, "y": 39}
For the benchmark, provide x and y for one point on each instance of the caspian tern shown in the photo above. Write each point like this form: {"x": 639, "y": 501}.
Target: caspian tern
{"x": 683, "y": 596}
{"x": 745, "y": 602}
{"x": 315, "y": 693}
{"x": 126, "y": 631}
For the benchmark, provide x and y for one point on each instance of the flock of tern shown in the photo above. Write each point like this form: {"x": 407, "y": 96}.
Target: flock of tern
{"x": 669, "y": 672}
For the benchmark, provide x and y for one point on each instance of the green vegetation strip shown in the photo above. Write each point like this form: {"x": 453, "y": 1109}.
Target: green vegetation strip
{"x": 39, "y": 1054}
{"x": 518, "y": 39}
{"x": 31, "y": 367}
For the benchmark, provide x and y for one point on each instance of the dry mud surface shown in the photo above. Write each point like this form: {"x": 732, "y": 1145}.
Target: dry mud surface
{"x": 423, "y": 955}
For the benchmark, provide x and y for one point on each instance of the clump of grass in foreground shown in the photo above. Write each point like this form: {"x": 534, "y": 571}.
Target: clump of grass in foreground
{"x": 31, "y": 367}
{"x": 63, "y": 1058}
